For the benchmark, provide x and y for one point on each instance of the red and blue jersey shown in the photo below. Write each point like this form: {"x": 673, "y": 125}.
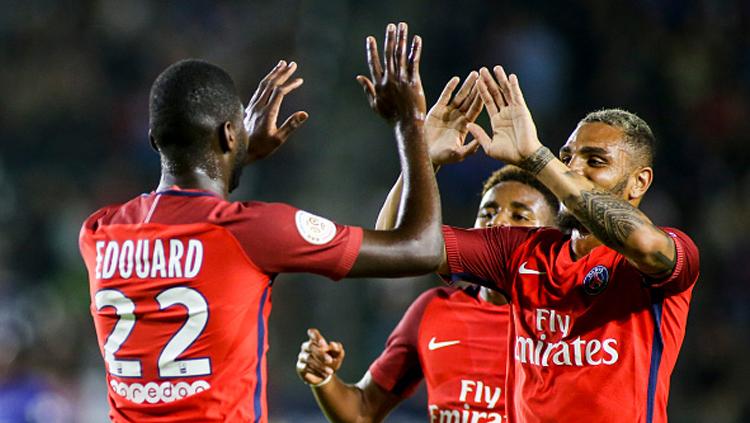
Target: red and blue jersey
{"x": 457, "y": 343}
{"x": 590, "y": 338}
{"x": 180, "y": 285}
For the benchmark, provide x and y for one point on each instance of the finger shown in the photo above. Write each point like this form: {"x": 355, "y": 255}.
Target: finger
{"x": 466, "y": 103}
{"x": 502, "y": 83}
{"x": 465, "y": 89}
{"x": 341, "y": 351}
{"x": 415, "y": 56}
{"x": 291, "y": 124}
{"x": 401, "y": 54}
{"x": 515, "y": 91}
{"x": 264, "y": 82}
{"x": 492, "y": 87}
{"x": 369, "y": 89}
{"x": 305, "y": 347}
{"x": 278, "y": 93}
{"x": 475, "y": 108}
{"x": 468, "y": 149}
{"x": 445, "y": 96}
{"x": 479, "y": 135}
{"x": 335, "y": 349}
{"x": 487, "y": 99}
{"x": 389, "y": 50}
{"x": 373, "y": 59}
{"x": 303, "y": 357}
{"x": 314, "y": 334}
{"x": 284, "y": 73}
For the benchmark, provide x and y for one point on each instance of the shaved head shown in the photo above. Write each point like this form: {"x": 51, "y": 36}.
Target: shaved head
{"x": 189, "y": 103}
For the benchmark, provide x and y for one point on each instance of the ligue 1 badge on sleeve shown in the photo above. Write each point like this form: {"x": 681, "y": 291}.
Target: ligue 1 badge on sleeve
{"x": 314, "y": 229}
{"x": 596, "y": 280}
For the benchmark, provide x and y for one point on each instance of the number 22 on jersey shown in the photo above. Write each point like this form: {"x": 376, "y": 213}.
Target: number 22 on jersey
{"x": 168, "y": 365}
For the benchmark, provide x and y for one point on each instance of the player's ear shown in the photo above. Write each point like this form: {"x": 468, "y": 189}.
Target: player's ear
{"x": 641, "y": 182}
{"x": 152, "y": 141}
{"x": 227, "y": 137}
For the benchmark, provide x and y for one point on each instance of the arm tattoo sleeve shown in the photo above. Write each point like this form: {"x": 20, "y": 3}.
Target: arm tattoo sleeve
{"x": 610, "y": 219}
{"x": 536, "y": 162}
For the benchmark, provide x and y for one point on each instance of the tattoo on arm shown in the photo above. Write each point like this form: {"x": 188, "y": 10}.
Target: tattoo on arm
{"x": 610, "y": 219}
{"x": 536, "y": 162}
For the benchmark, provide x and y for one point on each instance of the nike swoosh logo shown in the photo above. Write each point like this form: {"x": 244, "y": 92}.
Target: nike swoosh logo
{"x": 433, "y": 345}
{"x": 524, "y": 271}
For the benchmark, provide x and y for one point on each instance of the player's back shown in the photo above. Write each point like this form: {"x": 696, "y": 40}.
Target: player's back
{"x": 180, "y": 308}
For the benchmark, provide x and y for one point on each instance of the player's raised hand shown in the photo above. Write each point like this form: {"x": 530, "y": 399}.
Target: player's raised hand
{"x": 514, "y": 136}
{"x": 394, "y": 89}
{"x": 262, "y": 112}
{"x": 318, "y": 359}
{"x": 445, "y": 128}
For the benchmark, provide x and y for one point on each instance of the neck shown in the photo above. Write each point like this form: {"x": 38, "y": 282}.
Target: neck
{"x": 582, "y": 243}
{"x": 492, "y": 297}
{"x": 193, "y": 179}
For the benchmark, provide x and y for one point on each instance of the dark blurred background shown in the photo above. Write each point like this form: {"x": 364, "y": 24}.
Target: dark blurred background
{"x": 75, "y": 75}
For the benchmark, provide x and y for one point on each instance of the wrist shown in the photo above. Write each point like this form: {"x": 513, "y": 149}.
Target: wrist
{"x": 415, "y": 119}
{"x": 537, "y": 161}
{"x": 322, "y": 383}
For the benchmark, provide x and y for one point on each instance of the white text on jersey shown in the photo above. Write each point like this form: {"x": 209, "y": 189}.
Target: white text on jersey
{"x": 148, "y": 259}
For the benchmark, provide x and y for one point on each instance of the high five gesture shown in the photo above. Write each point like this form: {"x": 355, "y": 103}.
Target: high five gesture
{"x": 394, "y": 89}
{"x": 514, "y": 135}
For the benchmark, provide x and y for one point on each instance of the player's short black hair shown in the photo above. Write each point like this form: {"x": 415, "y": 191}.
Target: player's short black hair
{"x": 637, "y": 132}
{"x": 516, "y": 174}
{"x": 189, "y": 101}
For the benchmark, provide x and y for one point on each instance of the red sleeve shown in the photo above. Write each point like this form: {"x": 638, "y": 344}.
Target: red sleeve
{"x": 280, "y": 238}
{"x": 398, "y": 370}
{"x": 687, "y": 265}
{"x": 482, "y": 256}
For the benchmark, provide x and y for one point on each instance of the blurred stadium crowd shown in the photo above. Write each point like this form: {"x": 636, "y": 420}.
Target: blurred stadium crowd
{"x": 73, "y": 136}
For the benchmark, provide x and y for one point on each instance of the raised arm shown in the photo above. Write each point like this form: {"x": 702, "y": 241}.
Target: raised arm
{"x": 364, "y": 402}
{"x": 613, "y": 220}
{"x": 394, "y": 91}
{"x": 445, "y": 134}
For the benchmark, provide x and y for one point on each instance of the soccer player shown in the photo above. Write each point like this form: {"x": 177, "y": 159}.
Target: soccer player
{"x": 455, "y": 339}
{"x": 181, "y": 278}
{"x": 597, "y": 316}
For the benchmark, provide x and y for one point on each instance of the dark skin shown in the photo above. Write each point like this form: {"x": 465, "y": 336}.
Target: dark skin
{"x": 394, "y": 91}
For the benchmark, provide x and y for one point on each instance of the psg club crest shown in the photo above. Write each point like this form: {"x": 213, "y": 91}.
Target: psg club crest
{"x": 596, "y": 280}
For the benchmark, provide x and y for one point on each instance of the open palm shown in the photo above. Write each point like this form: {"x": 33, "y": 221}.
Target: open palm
{"x": 514, "y": 135}
{"x": 445, "y": 127}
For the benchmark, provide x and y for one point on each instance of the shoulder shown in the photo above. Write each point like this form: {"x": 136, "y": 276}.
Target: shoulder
{"x": 100, "y": 217}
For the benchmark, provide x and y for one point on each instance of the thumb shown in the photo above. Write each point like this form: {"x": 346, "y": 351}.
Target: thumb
{"x": 468, "y": 149}
{"x": 291, "y": 124}
{"x": 479, "y": 135}
{"x": 368, "y": 87}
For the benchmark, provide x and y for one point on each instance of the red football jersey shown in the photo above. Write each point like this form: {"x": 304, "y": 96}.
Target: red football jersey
{"x": 180, "y": 286}
{"x": 591, "y": 339}
{"x": 457, "y": 342}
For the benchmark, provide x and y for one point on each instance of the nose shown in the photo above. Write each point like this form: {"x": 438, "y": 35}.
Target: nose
{"x": 501, "y": 218}
{"x": 577, "y": 165}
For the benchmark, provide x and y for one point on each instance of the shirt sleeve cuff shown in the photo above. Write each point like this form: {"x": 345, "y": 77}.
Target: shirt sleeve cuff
{"x": 679, "y": 263}
{"x": 351, "y": 252}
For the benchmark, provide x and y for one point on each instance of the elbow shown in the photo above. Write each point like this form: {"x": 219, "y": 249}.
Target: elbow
{"x": 431, "y": 250}
{"x": 653, "y": 250}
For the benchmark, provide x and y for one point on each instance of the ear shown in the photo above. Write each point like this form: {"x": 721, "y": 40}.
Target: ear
{"x": 227, "y": 137}
{"x": 641, "y": 181}
{"x": 152, "y": 141}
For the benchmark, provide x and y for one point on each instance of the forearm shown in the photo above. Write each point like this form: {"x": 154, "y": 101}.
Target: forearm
{"x": 341, "y": 402}
{"x": 415, "y": 245}
{"x": 389, "y": 210}
{"x": 614, "y": 221}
